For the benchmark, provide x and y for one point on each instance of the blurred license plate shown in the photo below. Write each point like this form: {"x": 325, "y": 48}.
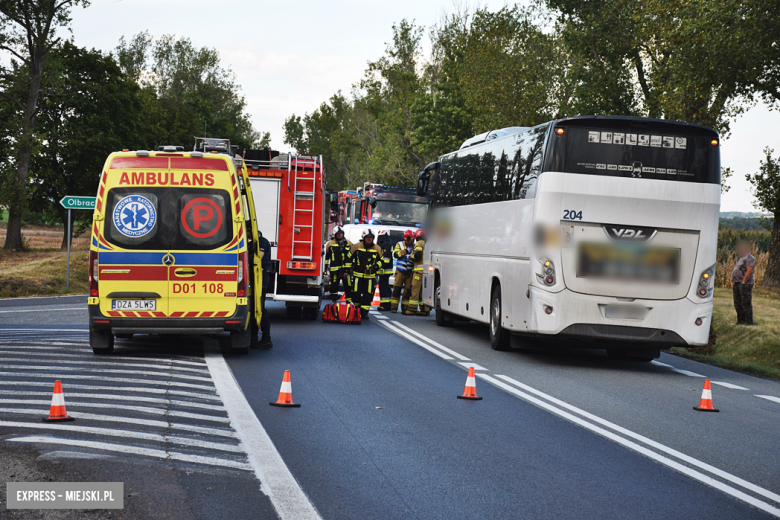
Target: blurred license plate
{"x": 134, "y": 305}
{"x": 625, "y": 312}
{"x": 629, "y": 262}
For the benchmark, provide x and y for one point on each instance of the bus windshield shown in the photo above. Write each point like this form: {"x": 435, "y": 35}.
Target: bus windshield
{"x": 661, "y": 151}
{"x": 394, "y": 213}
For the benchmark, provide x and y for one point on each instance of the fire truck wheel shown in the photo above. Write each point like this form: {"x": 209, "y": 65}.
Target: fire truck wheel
{"x": 294, "y": 312}
{"x": 240, "y": 340}
{"x": 310, "y": 313}
{"x": 101, "y": 341}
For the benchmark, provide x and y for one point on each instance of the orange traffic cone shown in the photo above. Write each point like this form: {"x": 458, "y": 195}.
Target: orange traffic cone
{"x": 285, "y": 393}
{"x": 57, "y": 413}
{"x": 377, "y": 301}
{"x": 470, "y": 392}
{"x": 705, "y": 405}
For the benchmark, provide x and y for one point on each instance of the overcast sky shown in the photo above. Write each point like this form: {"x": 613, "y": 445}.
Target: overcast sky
{"x": 291, "y": 55}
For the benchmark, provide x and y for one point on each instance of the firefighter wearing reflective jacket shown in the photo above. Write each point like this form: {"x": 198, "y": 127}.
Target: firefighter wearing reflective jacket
{"x": 403, "y": 271}
{"x": 366, "y": 261}
{"x": 417, "y": 259}
{"x": 384, "y": 243}
{"x": 337, "y": 256}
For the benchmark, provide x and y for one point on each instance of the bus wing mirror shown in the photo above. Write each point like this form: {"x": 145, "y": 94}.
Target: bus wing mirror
{"x": 422, "y": 183}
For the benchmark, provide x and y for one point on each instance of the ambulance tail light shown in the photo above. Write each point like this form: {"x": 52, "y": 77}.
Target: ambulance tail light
{"x": 242, "y": 275}
{"x": 93, "y": 274}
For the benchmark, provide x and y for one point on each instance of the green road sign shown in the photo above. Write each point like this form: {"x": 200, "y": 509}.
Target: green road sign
{"x": 78, "y": 202}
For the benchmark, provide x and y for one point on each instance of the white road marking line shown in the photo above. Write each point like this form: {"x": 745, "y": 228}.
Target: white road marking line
{"x": 670, "y": 451}
{"x": 472, "y": 365}
{"x": 658, "y": 363}
{"x": 77, "y": 377}
{"x": 53, "y": 359}
{"x": 389, "y": 326}
{"x": 134, "y": 390}
{"x": 90, "y": 355}
{"x": 770, "y": 398}
{"x": 113, "y": 406}
{"x": 380, "y": 317}
{"x": 130, "y": 420}
{"x": 729, "y": 385}
{"x": 134, "y": 450}
{"x": 74, "y": 309}
{"x": 107, "y": 371}
{"x": 429, "y": 340}
{"x": 686, "y": 372}
{"x": 122, "y": 398}
{"x": 184, "y": 441}
{"x": 275, "y": 478}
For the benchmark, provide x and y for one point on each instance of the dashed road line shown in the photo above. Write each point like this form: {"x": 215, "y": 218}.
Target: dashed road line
{"x": 129, "y": 420}
{"x": 90, "y": 355}
{"x": 107, "y": 371}
{"x": 120, "y": 398}
{"x": 129, "y": 408}
{"x": 729, "y": 385}
{"x": 54, "y": 375}
{"x": 132, "y": 389}
{"x": 105, "y": 363}
{"x": 184, "y": 441}
{"x": 134, "y": 450}
{"x": 430, "y": 341}
{"x": 472, "y": 365}
{"x": 770, "y": 398}
{"x": 686, "y": 372}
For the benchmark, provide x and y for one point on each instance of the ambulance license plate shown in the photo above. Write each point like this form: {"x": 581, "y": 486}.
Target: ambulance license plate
{"x": 134, "y": 305}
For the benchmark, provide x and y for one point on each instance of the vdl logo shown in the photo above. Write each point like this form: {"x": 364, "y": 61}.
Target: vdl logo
{"x": 636, "y": 234}
{"x": 135, "y": 216}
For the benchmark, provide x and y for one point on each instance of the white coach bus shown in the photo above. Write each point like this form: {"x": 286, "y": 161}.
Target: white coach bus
{"x": 597, "y": 229}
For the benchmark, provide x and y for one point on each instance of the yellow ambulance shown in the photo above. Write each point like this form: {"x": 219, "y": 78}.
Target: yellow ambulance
{"x": 174, "y": 247}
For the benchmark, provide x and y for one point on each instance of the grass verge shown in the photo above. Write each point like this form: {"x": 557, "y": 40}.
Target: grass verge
{"x": 42, "y": 273}
{"x": 753, "y": 349}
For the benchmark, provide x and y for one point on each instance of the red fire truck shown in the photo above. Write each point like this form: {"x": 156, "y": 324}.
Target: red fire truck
{"x": 292, "y": 213}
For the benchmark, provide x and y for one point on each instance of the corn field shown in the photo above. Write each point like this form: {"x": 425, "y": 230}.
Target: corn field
{"x": 727, "y": 256}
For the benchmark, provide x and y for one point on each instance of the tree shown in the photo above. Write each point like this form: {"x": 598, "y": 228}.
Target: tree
{"x": 766, "y": 189}
{"x": 27, "y": 32}
{"x": 94, "y": 110}
{"x": 187, "y": 92}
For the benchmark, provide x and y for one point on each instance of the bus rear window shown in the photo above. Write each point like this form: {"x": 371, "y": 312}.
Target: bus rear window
{"x": 667, "y": 152}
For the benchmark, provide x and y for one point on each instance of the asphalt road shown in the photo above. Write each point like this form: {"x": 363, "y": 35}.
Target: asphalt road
{"x": 560, "y": 433}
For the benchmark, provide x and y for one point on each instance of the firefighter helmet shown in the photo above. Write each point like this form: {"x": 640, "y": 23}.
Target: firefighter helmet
{"x": 337, "y": 231}
{"x": 420, "y": 233}
{"x": 381, "y": 232}
{"x": 408, "y": 234}
{"x": 368, "y": 233}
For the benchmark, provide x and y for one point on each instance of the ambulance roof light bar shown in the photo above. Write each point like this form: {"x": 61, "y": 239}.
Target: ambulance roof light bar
{"x": 210, "y": 144}
{"x": 170, "y": 148}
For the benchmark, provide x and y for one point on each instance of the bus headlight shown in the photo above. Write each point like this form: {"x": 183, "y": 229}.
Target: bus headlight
{"x": 705, "y": 282}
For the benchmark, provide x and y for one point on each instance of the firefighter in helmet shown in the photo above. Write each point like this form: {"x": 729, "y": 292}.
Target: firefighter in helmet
{"x": 337, "y": 254}
{"x": 366, "y": 260}
{"x": 384, "y": 242}
{"x": 418, "y": 259}
{"x": 403, "y": 271}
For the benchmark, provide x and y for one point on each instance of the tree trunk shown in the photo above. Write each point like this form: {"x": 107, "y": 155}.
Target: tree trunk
{"x": 13, "y": 232}
{"x": 18, "y": 204}
{"x": 63, "y": 213}
{"x": 772, "y": 274}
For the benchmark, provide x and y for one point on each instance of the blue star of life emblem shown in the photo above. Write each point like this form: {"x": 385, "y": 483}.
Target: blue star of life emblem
{"x": 135, "y": 216}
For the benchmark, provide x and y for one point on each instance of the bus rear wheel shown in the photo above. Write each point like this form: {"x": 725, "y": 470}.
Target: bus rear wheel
{"x": 499, "y": 337}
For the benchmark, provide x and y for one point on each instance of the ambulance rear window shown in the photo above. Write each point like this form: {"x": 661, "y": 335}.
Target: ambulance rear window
{"x": 134, "y": 218}
{"x": 201, "y": 218}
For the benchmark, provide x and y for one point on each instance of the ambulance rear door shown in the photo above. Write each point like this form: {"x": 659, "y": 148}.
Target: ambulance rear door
{"x": 131, "y": 238}
{"x": 205, "y": 238}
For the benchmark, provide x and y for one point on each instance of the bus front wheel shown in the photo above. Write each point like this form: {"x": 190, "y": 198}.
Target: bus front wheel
{"x": 442, "y": 320}
{"x": 499, "y": 337}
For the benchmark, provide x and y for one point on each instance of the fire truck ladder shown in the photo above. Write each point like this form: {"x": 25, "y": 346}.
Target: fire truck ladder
{"x": 304, "y": 190}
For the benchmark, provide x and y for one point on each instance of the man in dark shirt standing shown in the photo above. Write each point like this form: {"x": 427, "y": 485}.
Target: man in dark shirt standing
{"x": 265, "y": 320}
{"x": 743, "y": 278}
